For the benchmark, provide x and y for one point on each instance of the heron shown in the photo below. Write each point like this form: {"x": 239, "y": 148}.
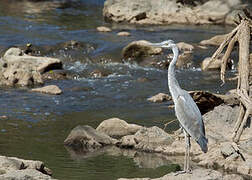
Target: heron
{"x": 186, "y": 110}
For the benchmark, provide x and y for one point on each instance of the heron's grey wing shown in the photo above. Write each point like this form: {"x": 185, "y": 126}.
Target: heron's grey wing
{"x": 189, "y": 116}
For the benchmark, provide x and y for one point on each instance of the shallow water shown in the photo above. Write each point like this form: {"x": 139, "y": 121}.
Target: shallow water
{"x": 37, "y": 124}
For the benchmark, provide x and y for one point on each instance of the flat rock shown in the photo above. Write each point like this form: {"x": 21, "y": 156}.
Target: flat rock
{"x": 115, "y": 127}
{"x": 169, "y": 11}
{"x": 86, "y": 139}
{"x": 51, "y": 89}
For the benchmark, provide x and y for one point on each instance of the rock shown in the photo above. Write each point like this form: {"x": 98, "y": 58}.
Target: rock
{"x": 17, "y": 68}
{"x": 168, "y": 11}
{"x": 103, "y": 29}
{"x": 227, "y": 149}
{"x": 115, "y": 127}
{"x": 86, "y": 139}
{"x": 137, "y": 49}
{"x": 216, "y": 64}
{"x": 123, "y": 33}
{"x": 51, "y": 89}
{"x": 185, "y": 46}
{"x": 15, "y": 168}
{"x": 197, "y": 174}
{"x": 214, "y": 41}
{"x": 160, "y": 97}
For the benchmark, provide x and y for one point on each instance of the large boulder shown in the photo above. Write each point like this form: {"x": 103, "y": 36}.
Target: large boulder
{"x": 169, "y": 11}
{"x": 16, "y": 169}
{"x": 115, "y": 127}
{"x": 18, "y": 68}
{"x": 86, "y": 139}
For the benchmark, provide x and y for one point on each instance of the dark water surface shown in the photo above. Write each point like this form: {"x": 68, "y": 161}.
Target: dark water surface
{"x": 37, "y": 124}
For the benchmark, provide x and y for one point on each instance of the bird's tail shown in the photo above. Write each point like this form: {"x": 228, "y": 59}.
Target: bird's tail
{"x": 203, "y": 143}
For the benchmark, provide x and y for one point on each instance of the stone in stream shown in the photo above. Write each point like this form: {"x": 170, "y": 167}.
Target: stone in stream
{"x": 116, "y": 127}
{"x": 123, "y": 33}
{"x": 17, "y": 68}
{"x": 137, "y": 49}
{"x": 50, "y": 89}
{"x": 103, "y": 29}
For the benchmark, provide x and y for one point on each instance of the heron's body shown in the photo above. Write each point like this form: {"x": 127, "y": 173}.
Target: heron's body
{"x": 186, "y": 110}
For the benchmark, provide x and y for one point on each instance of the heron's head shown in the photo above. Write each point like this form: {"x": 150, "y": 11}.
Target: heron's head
{"x": 165, "y": 44}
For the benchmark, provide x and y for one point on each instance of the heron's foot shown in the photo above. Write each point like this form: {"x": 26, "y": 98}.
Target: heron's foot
{"x": 188, "y": 171}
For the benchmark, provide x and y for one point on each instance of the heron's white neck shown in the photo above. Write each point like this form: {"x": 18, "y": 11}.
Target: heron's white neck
{"x": 172, "y": 82}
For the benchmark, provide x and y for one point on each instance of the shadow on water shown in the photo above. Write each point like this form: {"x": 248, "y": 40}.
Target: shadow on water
{"x": 37, "y": 124}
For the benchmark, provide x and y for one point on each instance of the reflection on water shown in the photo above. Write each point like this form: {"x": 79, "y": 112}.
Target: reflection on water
{"x": 37, "y": 124}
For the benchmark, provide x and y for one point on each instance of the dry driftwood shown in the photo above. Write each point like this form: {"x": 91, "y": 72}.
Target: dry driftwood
{"x": 240, "y": 34}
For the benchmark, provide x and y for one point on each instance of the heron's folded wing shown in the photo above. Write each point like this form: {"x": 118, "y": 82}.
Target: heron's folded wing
{"x": 189, "y": 116}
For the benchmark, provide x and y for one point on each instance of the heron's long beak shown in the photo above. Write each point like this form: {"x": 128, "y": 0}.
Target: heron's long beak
{"x": 156, "y": 44}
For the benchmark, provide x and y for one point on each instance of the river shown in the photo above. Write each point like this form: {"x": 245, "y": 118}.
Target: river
{"x": 37, "y": 124}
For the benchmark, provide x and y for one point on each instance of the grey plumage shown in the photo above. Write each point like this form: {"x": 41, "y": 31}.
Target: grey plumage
{"x": 186, "y": 110}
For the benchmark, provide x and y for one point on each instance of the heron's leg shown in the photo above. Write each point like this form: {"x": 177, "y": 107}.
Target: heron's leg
{"x": 185, "y": 158}
{"x": 186, "y": 153}
{"x": 188, "y": 147}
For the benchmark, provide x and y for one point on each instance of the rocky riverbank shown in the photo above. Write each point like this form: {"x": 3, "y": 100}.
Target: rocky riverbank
{"x": 223, "y": 155}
